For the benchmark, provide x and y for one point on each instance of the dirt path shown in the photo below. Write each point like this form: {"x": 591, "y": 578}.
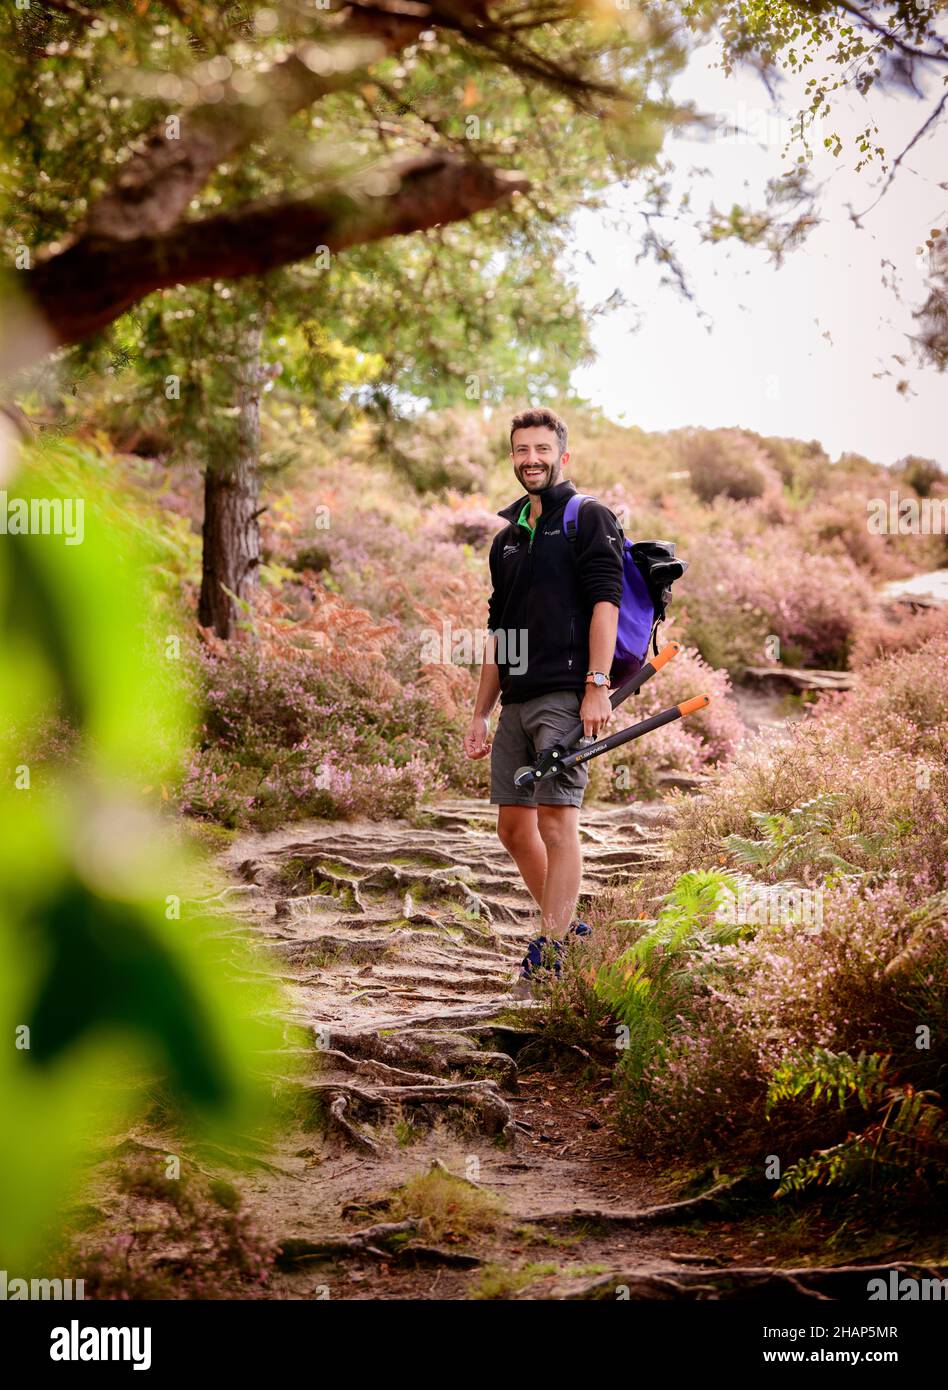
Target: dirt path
{"x": 398, "y": 949}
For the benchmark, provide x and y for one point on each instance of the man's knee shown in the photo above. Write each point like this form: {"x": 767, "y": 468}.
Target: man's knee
{"x": 558, "y": 825}
{"x": 516, "y": 825}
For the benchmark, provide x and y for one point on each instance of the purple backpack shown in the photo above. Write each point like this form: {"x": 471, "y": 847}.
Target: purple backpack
{"x": 649, "y": 569}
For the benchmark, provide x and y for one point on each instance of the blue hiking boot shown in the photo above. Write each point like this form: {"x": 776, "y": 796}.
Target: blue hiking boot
{"x": 536, "y": 964}
{"x": 533, "y": 961}
{"x": 534, "y": 967}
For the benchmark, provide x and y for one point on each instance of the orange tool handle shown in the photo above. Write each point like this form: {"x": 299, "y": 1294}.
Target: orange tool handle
{"x": 665, "y": 655}
{"x": 697, "y": 702}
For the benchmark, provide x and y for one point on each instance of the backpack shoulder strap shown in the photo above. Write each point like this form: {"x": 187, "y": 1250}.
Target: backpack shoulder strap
{"x": 571, "y": 513}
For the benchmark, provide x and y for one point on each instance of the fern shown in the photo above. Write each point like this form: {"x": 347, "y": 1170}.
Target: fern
{"x": 832, "y": 1075}
{"x": 810, "y": 833}
{"x": 907, "y": 1142}
{"x": 655, "y": 978}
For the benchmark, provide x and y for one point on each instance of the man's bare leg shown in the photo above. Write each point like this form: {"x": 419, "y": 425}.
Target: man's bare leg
{"x": 518, "y": 833}
{"x": 558, "y": 828}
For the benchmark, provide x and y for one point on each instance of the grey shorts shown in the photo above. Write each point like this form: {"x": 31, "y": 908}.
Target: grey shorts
{"x": 523, "y": 732}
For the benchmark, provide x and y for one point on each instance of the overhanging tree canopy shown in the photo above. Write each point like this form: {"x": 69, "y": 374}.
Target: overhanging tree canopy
{"x": 149, "y": 180}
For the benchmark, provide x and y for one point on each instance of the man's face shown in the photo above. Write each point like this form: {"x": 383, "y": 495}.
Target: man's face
{"x": 536, "y": 456}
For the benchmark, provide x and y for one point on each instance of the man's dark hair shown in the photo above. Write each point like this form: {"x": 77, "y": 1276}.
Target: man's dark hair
{"x": 548, "y": 418}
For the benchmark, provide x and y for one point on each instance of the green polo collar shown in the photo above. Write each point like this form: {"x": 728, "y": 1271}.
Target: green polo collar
{"x": 522, "y": 518}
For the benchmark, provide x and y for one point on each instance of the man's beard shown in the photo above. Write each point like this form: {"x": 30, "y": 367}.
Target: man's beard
{"x": 548, "y": 478}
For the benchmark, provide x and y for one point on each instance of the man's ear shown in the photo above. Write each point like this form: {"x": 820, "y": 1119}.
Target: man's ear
{"x": 564, "y": 458}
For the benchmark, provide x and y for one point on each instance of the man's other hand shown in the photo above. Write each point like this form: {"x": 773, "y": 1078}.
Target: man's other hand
{"x": 595, "y": 711}
{"x": 477, "y": 738}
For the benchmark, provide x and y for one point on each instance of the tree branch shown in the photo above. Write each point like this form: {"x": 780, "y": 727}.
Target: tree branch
{"x": 933, "y": 117}
{"x": 86, "y": 286}
{"x": 880, "y": 30}
{"x": 156, "y": 185}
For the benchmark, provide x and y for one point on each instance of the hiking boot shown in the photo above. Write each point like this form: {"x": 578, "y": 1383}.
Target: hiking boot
{"x": 533, "y": 966}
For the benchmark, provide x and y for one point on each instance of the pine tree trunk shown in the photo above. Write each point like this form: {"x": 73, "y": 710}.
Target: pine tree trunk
{"x": 231, "y": 495}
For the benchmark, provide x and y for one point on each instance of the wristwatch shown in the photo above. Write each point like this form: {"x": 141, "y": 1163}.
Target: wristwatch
{"x": 598, "y": 678}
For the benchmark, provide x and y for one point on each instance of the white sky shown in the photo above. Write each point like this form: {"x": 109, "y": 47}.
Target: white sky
{"x": 766, "y": 364}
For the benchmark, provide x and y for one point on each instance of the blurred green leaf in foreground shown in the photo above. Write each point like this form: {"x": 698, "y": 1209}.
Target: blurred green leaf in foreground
{"x": 110, "y": 985}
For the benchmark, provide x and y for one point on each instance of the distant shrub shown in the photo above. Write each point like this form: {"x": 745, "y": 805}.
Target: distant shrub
{"x": 839, "y": 525}
{"x": 739, "y": 595}
{"x": 799, "y": 465}
{"x": 924, "y": 476}
{"x": 851, "y": 468}
{"x": 451, "y": 448}
{"x": 724, "y": 462}
{"x": 469, "y": 523}
{"x": 312, "y": 557}
{"x": 882, "y": 635}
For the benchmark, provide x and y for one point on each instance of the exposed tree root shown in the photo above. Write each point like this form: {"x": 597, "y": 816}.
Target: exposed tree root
{"x": 414, "y": 983}
{"x": 816, "y": 1284}
{"x": 481, "y": 1099}
{"x": 284, "y": 907}
{"x": 334, "y": 1060}
{"x": 367, "y": 1242}
{"x": 715, "y": 1202}
{"x": 437, "y": 1052}
{"x": 431, "y": 1255}
{"x": 370, "y": 1241}
{"x": 462, "y": 1016}
{"x": 358, "y": 949}
{"x": 469, "y": 930}
{"x": 340, "y": 1123}
{"x": 222, "y": 901}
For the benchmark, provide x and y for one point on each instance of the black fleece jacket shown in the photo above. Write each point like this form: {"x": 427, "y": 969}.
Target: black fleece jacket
{"x": 544, "y": 590}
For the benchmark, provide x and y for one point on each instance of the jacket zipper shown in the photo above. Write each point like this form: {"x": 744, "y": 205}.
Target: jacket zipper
{"x": 572, "y": 623}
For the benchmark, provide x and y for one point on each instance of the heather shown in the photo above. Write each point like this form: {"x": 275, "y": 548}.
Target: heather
{"x": 285, "y": 738}
{"x": 802, "y": 1037}
{"x": 878, "y": 750}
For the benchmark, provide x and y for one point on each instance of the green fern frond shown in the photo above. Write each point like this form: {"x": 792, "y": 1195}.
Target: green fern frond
{"x": 907, "y": 1145}
{"x": 833, "y": 1075}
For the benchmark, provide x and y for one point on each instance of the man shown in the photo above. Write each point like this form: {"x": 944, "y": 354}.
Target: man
{"x": 552, "y": 620}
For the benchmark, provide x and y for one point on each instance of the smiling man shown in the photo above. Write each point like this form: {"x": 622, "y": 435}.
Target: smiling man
{"x": 555, "y": 602}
